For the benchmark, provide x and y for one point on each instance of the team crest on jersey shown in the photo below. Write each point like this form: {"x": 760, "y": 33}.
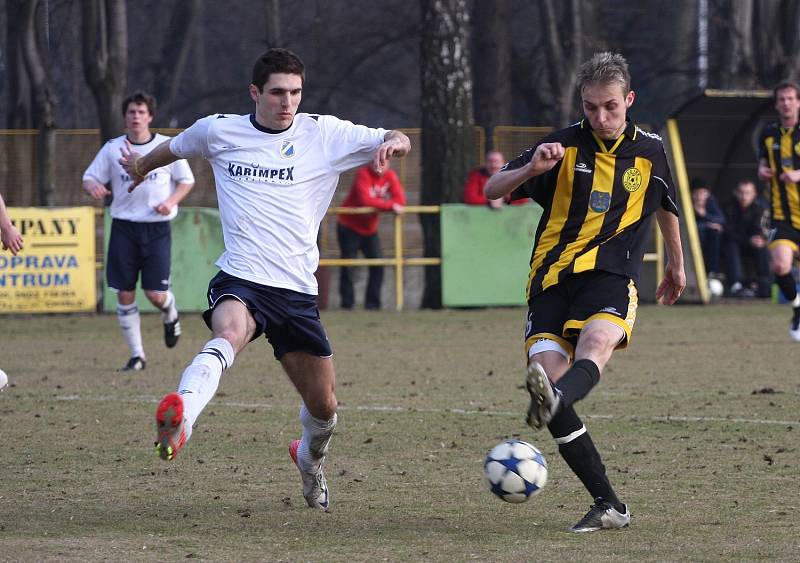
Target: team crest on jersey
{"x": 632, "y": 179}
{"x": 797, "y": 148}
{"x": 599, "y": 202}
{"x": 287, "y": 149}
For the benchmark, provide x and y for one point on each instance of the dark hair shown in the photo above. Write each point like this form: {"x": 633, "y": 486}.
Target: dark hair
{"x": 139, "y": 97}
{"x": 698, "y": 183}
{"x": 783, "y": 85}
{"x": 276, "y": 61}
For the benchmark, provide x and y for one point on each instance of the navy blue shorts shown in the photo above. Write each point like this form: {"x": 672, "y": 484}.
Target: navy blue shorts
{"x": 139, "y": 247}
{"x": 289, "y": 319}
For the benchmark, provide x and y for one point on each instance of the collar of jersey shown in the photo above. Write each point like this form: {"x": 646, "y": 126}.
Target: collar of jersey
{"x": 263, "y": 129}
{"x": 150, "y": 140}
{"x": 629, "y": 132}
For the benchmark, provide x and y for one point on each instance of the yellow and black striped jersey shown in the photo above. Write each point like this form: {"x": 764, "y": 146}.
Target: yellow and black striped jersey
{"x": 598, "y": 201}
{"x": 780, "y": 147}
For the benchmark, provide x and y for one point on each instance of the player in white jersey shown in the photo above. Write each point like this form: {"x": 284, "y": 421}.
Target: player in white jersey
{"x": 140, "y": 240}
{"x": 275, "y": 172}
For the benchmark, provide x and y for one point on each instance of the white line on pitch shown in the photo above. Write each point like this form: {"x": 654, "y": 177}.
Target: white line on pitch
{"x": 383, "y": 408}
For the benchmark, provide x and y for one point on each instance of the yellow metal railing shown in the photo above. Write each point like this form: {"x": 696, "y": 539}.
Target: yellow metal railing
{"x": 398, "y": 261}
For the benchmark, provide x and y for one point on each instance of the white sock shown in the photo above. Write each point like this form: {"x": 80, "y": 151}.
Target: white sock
{"x": 200, "y": 379}
{"x": 169, "y": 312}
{"x": 796, "y": 302}
{"x": 128, "y": 317}
{"x": 317, "y": 434}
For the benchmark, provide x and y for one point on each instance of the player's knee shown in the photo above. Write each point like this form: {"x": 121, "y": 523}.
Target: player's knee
{"x": 323, "y": 407}
{"x": 598, "y": 343}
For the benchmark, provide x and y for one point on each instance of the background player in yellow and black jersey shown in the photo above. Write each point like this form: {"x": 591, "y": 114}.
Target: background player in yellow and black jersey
{"x": 779, "y": 165}
{"x": 599, "y": 182}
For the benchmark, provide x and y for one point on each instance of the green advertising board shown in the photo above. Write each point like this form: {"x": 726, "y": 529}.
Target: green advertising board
{"x": 196, "y": 245}
{"x": 486, "y": 253}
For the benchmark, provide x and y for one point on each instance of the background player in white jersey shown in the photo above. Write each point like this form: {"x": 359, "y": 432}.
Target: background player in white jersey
{"x": 276, "y": 171}
{"x": 140, "y": 232}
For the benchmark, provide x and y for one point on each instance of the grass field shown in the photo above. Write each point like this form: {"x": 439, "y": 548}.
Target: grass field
{"x": 699, "y": 424}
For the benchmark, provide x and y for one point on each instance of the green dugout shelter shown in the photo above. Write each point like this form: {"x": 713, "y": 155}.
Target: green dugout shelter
{"x": 714, "y": 135}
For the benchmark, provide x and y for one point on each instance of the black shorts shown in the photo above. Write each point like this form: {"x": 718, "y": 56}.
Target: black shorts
{"x": 139, "y": 247}
{"x": 561, "y": 311}
{"x": 784, "y": 233}
{"x": 289, "y": 319}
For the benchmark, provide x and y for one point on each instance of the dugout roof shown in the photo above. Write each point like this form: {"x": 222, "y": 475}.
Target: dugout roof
{"x": 719, "y": 132}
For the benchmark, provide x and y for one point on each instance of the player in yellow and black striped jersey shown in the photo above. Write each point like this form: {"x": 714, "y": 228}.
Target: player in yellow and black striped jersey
{"x": 779, "y": 165}
{"x": 599, "y": 183}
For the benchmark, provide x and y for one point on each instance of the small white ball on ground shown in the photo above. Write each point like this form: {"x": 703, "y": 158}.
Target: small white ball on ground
{"x": 3, "y": 380}
{"x": 715, "y": 287}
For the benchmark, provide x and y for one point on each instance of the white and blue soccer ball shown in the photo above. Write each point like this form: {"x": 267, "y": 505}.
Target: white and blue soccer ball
{"x": 516, "y": 471}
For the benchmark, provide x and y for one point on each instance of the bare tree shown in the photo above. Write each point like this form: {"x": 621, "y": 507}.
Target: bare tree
{"x": 19, "y": 108}
{"x": 105, "y": 59}
{"x": 35, "y": 54}
{"x": 447, "y": 123}
{"x": 492, "y": 65}
{"x": 738, "y": 68}
{"x": 174, "y": 57}
{"x": 272, "y": 10}
{"x": 564, "y": 54}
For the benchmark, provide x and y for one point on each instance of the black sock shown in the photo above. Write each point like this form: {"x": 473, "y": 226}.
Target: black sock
{"x": 576, "y": 447}
{"x": 578, "y": 381}
{"x": 787, "y": 286}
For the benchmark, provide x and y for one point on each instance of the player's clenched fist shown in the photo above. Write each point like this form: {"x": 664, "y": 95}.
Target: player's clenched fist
{"x": 546, "y": 156}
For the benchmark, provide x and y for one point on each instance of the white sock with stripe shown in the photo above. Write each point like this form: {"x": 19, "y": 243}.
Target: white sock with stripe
{"x": 200, "y": 379}
{"x": 130, "y": 323}
{"x": 317, "y": 434}
{"x": 169, "y": 312}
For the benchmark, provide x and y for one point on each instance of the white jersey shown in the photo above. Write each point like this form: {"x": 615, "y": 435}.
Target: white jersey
{"x": 140, "y": 204}
{"x": 274, "y": 188}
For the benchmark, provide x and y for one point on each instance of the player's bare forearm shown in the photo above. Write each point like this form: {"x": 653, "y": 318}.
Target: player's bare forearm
{"x": 674, "y": 282}
{"x": 544, "y": 158}
{"x": 138, "y": 166}
{"x": 166, "y": 206}
{"x": 95, "y": 189}
{"x": 395, "y": 144}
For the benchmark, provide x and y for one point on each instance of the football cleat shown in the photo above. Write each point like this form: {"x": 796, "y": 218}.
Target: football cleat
{"x": 602, "y": 515}
{"x": 544, "y": 398}
{"x": 315, "y": 487}
{"x": 170, "y": 427}
{"x": 136, "y": 363}
{"x": 172, "y": 331}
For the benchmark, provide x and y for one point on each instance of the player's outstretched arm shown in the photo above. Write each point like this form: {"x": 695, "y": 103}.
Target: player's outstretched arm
{"x": 138, "y": 166}
{"x": 395, "y": 144}
{"x": 674, "y": 282}
{"x": 544, "y": 158}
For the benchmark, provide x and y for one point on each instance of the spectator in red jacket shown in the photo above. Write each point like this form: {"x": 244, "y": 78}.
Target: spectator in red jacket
{"x": 473, "y": 189}
{"x": 383, "y": 191}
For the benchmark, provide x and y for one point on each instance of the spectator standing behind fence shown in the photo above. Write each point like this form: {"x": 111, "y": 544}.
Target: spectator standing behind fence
{"x": 141, "y": 238}
{"x": 746, "y": 239}
{"x": 477, "y": 178}
{"x": 371, "y": 188}
{"x": 9, "y": 235}
{"x": 710, "y": 225}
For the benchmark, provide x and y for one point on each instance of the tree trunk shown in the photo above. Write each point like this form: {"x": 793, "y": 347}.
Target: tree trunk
{"x": 20, "y": 111}
{"x": 738, "y": 60}
{"x": 447, "y": 122}
{"x": 105, "y": 60}
{"x": 34, "y": 52}
{"x": 272, "y": 9}
{"x": 492, "y": 56}
{"x": 564, "y": 55}
{"x": 174, "y": 57}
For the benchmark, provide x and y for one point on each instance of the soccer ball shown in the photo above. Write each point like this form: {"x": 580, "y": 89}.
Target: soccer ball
{"x": 516, "y": 470}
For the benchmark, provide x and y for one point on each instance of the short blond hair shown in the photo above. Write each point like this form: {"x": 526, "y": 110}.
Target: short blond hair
{"x": 605, "y": 68}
